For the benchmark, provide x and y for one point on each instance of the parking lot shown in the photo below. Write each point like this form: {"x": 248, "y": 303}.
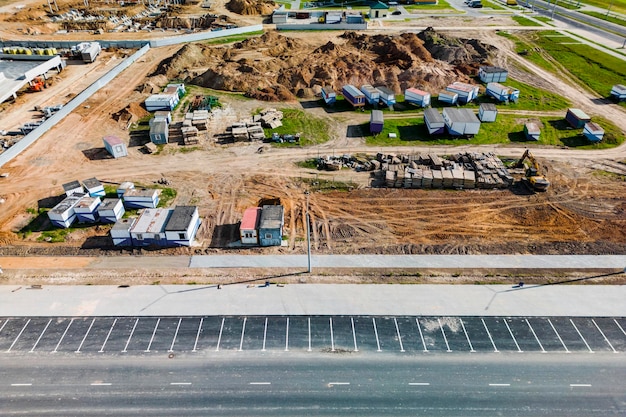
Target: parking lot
{"x": 403, "y": 335}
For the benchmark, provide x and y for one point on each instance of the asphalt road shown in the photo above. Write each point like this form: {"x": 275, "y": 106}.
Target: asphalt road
{"x": 323, "y": 385}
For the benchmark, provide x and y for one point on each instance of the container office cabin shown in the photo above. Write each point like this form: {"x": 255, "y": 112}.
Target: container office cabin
{"x": 159, "y": 132}
{"x": 447, "y": 97}
{"x": 353, "y": 95}
{"x": 502, "y": 93}
{"x": 161, "y": 102}
{"x": 487, "y": 112}
{"x": 87, "y": 209}
{"x": 461, "y": 122}
{"x": 120, "y": 232}
{"x": 162, "y": 115}
{"x": 63, "y": 214}
{"x": 149, "y": 229}
{"x": 532, "y": 131}
{"x": 73, "y": 187}
{"x": 372, "y": 95}
{"x": 182, "y": 225}
{"x": 123, "y": 187}
{"x": 417, "y": 97}
{"x": 180, "y": 88}
{"x": 577, "y": 118}
{"x": 111, "y": 210}
{"x": 387, "y": 96}
{"x": 271, "y": 226}
{"x": 489, "y": 74}
{"x": 377, "y": 122}
{"x": 618, "y": 92}
{"x": 115, "y": 146}
{"x": 94, "y": 187}
{"x": 466, "y": 92}
{"x": 248, "y": 229}
{"x": 593, "y": 132}
{"x": 329, "y": 95}
{"x": 434, "y": 121}
{"x": 141, "y": 198}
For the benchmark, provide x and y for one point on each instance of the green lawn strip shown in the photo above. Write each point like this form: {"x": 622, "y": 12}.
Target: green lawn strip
{"x": 314, "y": 130}
{"x": 441, "y": 5}
{"x": 618, "y": 6}
{"x": 493, "y": 5}
{"x": 234, "y": 38}
{"x": 524, "y": 21}
{"x": 603, "y": 16}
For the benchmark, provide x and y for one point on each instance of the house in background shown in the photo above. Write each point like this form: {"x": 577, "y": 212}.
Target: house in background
{"x": 378, "y": 10}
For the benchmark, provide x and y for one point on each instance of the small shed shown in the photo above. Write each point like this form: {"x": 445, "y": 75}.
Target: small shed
{"x": 329, "y": 95}
{"x": 387, "y": 96}
{"x": 378, "y": 10}
{"x": 487, "y": 112}
{"x": 141, "y": 198}
{"x": 618, "y": 92}
{"x": 249, "y": 225}
{"x": 461, "y": 122}
{"x": 593, "y": 132}
{"x": 120, "y": 232}
{"x": 577, "y": 118}
{"x": 417, "y": 97}
{"x": 434, "y": 121}
{"x": 63, "y": 214}
{"x": 372, "y": 95}
{"x": 162, "y": 115}
{"x": 447, "y": 97}
{"x": 490, "y": 74}
{"x": 110, "y": 210}
{"x": 271, "y": 225}
{"x": 121, "y": 189}
{"x": 532, "y": 131}
{"x": 94, "y": 187}
{"x": 377, "y": 122}
{"x": 180, "y": 88}
{"x": 73, "y": 187}
{"x": 182, "y": 225}
{"x": 353, "y": 95}
{"x": 115, "y": 146}
{"x": 159, "y": 132}
{"x": 87, "y": 209}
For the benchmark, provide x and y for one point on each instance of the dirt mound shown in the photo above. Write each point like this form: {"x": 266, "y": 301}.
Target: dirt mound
{"x": 274, "y": 66}
{"x": 251, "y": 7}
{"x": 132, "y": 112}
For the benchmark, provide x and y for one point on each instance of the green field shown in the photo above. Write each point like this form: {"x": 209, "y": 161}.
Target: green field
{"x": 314, "y": 130}
{"x": 524, "y": 21}
{"x": 234, "y": 38}
{"x": 441, "y": 5}
{"x": 609, "y": 18}
{"x": 619, "y": 6}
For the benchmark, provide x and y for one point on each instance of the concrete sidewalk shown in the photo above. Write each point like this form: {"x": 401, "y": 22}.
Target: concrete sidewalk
{"x": 315, "y": 299}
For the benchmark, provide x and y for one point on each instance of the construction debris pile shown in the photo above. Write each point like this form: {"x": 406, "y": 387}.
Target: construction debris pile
{"x": 251, "y": 129}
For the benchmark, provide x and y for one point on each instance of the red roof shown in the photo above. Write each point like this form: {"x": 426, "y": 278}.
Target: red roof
{"x": 250, "y": 218}
{"x": 113, "y": 140}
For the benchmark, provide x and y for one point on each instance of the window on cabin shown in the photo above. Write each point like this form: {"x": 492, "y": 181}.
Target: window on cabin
{"x": 139, "y": 236}
{"x": 268, "y": 236}
{"x": 181, "y": 236}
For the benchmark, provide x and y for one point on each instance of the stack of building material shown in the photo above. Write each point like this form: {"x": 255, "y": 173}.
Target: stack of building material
{"x": 190, "y": 135}
{"x": 439, "y": 178}
{"x": 239, "y": 132}
{"x": 458, "y": 177}
{"x": 618, "y": 92}
{"x": 435, "y": 161}
{"x": 469, "y": 179}
{"x": 271, "y": 118}
{"x": 399, "y": 179}
{"x": 390, "y": 178}
{"x": 427, "y": 178}
{"x": 200, "y": 119}
{"x": 255, "y": 131}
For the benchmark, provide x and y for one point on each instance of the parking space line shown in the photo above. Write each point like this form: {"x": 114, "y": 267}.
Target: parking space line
{"x": 559, "y": 336}
{"x": 495, "y": 349}
{"x": 287, "y": 336}
{"x": 421, "y": 334}
{"x": 535, "y": 334}
{"x": 356, "y": 349}
{"x": 444, "y": 335}
{"x": 18, "y": 336}
{"x": 469, "y": 342}
{"x": 511, "y": 333}
{"x": 40, "y": 336}
{"x": 499, "y": 385}
{"x": 620, "y": 327}
{"x": 195, "y": 344}
{"x": 22, "y": 385}
{"x": 101, "y": 384}
{"x": 243, "y": 331}
{"x": 332, "y": 336}
{"x": 63, "y": 335}
{"x": 399, "y": 337}
{"x": 376, "y": 333}
{"x": 156, "y": 326}
{"x": 180, "y": 319}
{"x": 309, "y": 320}
{"x": 581, "y": 336}
{"x": 86, "y": 334}
{"x": 603, "y": 335}
{"x": 219, "y": 337}
{"x": 264, "y": 334}
{"x": 260, "y": 383}
{"x": 131, "y": 335}
{"x": 579, "y": 385}
{"x": 108, "y": 335}
{"x": 180, "y": 383}
{"x": 419, "y": 383}
{"x": 4, "y": 324}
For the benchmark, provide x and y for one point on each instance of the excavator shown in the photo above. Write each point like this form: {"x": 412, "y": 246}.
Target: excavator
{"x": 534, "y": 177}
{"x": 37, "y": 84}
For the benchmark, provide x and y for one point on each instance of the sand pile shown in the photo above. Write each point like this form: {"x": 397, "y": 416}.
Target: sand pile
{"x": 251, "y": 7}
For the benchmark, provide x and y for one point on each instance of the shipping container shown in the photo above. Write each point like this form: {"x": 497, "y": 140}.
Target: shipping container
{"x": 576, "y": 118}
{"x": 487, "y": 112}
{"x": 417, "y": 97}
{"x": 593, "y": 132}
{"x": 376, "y": 122}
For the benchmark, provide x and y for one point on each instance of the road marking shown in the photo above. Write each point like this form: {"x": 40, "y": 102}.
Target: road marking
{"x": 18, "y": 336}
{"x": 264, "y": 334}
{"x": 511, "y": 333}
{"x": 63, "y": 336}
{"x": 180, "y": 383}
{"x": 559, "y": 336}
{"x": 195, "y": 344}
{"x": 620, "y": 327}
{"x": 21, "y": 385}
{"x": 495, "y": 349}
{"x": 219, "y": 337}
{"x": 260, "y": 383}
{"x": 108, "y": 335}
{"x": 444, "y": 335}
{"x": 376, "y": 333}
{"x": 287, "y": 336}
{"x": 579, "y": 385}
{"x": 180, "y": 319}
{"x": 243, "y": 331}
{"x": 499, "y": 385}
{"x": 603, "y": 335}
{"x": 100, "y": 384}
{"x": 535, "y": 334}
{"x": 156, "y": 326}
{"x": 399, "y": 337}
{"x": 7, "y": 320}
{"x": 356, "y": 349}
{"x": 581, "y": 336}
{"x": 85, "y": 337}
{"x": 309, "y": 320}
{"x": 330, "y": 384}
{"x": 421, "y": 334}
{"x": 332, "y": 336}
{"x": 40, "y": 336}
{"x": 131, "y": 335}
{"x": 469, "y": 342}
{"x": 419, "y": 383}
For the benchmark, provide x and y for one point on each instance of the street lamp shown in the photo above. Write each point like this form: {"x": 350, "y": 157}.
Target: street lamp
{"x": 308, "y": 232}
{"x": 609, "y": 9}
{"x": 553, "y": 9}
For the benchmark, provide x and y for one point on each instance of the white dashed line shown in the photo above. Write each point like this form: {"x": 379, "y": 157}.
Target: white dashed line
{"x": 419, "y": 383}
{"x": 21, "y": 385}
{"x": 287, "y": 336}
{"x": 260, "y": 383}
{"x": 309, "y": 321}
{"x": 499, "y": 385}
{"x": 579, "y": 385}
{"x": 100, "y": 384}
{"x": 264, "y": 334}
{"x": 620, "y": 327}
{"x": 7, "y": 320}
{"x": 332, "y": 336}
{"x": 180, "y": 383}
{"x": 330, "y": 384}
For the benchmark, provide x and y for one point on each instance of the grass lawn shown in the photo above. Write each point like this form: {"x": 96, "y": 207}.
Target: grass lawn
{"x": 619, "y": 6}
{"x": 603, "y": 16}
{"x": 441, "y": 5}
{"x": 524, "y": 21}
{"x": 314, "y": 130}
{"x": 234, "y": 38}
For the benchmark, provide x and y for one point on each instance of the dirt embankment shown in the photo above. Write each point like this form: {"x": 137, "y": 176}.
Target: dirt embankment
{"x": 276, "y": 67}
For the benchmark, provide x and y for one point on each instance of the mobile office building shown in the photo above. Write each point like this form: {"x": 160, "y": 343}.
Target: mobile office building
{"x": 248, "y": 229}
{"x": 577, "y": 118}
{"x": 159, "y": 132}
{"x": 115, "y": 146}
{"x": 532, "y": 131}
{"x": 447, "y": 97}
{"x": 94, "y": 187}
{"x": 387, "y": 97}
{"x": 110, "y": 210}
{"x": 73, "y": 187}
{"x": 466, "y": 92}
{"x": 120, "y": 232}
{"x": 353, "y": 95}
{"x": 376, "y": 122}
{"x": 271, "y": 226}
{"x": 141, "y": 198}
{"x": 487, "y": 112}
{"x": 182, "y": 225}
{"x": 63, "y": 214}
{"x": 434, "y": 121}
{"x": 372, "y": 95}
{"x": 618, "y": 92}
{"x": 489, "y": 74}
{"x": 461, "y": 122}
{"x": 593, "y": 132}
{"x": 417, "y": 97}
{"x": 329, "y": 95}
{"x": 87, "y": 209}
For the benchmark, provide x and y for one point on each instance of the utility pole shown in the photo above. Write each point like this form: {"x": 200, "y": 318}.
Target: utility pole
{"x": 609, "y": 9}
{"x": 553, "y": 9}
{"x": 308, "y": 232}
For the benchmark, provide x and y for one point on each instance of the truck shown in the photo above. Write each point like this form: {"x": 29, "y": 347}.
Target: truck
{"x": 476, "y": 4}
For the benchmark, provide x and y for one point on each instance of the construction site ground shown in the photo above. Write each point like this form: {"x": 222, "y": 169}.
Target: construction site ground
{"x": 583, "y": 212}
